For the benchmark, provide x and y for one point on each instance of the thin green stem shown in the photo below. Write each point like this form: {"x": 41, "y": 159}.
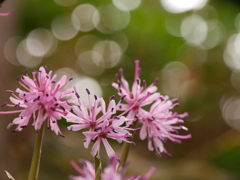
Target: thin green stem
{"x": 34, "y": 169}
{"x": 98, "y": 167}
{"x": 126, "y": 147}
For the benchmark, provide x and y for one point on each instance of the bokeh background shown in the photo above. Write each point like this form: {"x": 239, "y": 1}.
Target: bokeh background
{"x": 192, "y": 46}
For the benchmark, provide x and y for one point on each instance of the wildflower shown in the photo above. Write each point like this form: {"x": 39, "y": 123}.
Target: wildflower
{"x": 100, "y": 123}
{"x": 160, "y": 124}
{"x": 41, "y": 99}
{"x": 139, "y": 95}
{"x": 87, "y": 172}
{"x": 111, "y": 172}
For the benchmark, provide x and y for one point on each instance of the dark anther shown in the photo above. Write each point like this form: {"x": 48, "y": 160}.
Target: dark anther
{"x": 62, "y": 108}
{"x": 88, "y": 91}
{"x": 77, "y": 95}
{"x": 111, "y": 98}
{"x": 4, "y": 104}
{"x": 9, "y": 91}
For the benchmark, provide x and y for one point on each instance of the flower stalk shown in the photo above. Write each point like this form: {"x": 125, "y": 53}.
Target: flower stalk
{"x": 34, "y": 169}
{"x": 126, "y": 147}
{"x": 98, "y": 167}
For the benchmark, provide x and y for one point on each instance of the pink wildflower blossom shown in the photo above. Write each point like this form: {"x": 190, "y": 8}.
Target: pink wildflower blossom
{"x": 41, "y": 99}
{"x": 100, "y": 123}
{"x": 87, "y": 172}
{"x": 160, "y": 124}
{"x": 140, "y": 95}
{"x": 111, "y": 172}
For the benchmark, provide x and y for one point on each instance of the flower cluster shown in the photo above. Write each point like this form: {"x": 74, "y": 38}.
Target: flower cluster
{"x": 41, "y": 99}
{"x": 158, "y": 123}
{"x": 140, "y": 107}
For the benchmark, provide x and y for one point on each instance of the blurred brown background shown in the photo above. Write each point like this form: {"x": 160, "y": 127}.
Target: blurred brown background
{"x": 192, "y": 46}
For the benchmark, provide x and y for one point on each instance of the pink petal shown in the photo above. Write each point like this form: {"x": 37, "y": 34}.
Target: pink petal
{"x": 108, "y": 148}
{"x": 96, "y": 148}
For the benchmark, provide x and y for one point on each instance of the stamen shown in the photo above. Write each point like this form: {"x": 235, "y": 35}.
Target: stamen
{"x": 88, "y": 91}
{"x": 121, "y": 72}
{"x": 77, "y": 95}
{"x": 9, "y": 91}
{"x": 144, "y": 84}
{"x": 175, "y": 105}
{"x": 116, "y": 77}
{"x": 174, "y": 100}
{"x": 60, "y": 134}
{"x": 138, "y": 81}
{"x": 156, "y": 81}
{"x": 26, "y": 72}
{"x": 4, "y": 104}
{"x": 122, "y": 98}
{"x": 111, "y": 98}
{"x": 62, "y": 108}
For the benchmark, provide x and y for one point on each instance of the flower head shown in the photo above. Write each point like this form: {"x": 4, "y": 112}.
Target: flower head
{"x": 111, "y": 172}
{"x": 159, "y": 124}
{"x": 40, "y": 99}
{"x": 139, "y": 95}
{"x": 99, "y": 123}
{"x": 87, "y": 172}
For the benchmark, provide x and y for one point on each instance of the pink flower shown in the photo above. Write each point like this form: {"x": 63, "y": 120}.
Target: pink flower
{"x": 159, "y": 124}
{"x": 87, "y": 172}
{"x": 41, "y": 99}
{"x": 111, "y": 172}
{"x": 99, "y": 124}
{"x": 139, "y": 95}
